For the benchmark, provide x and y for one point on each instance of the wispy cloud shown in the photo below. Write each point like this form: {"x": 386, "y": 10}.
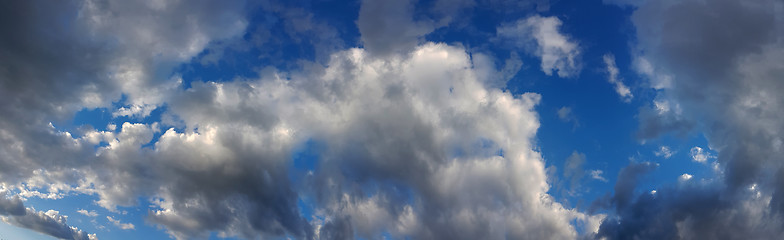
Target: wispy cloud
{"x": 121, "y": 225}
{"x": 87, "y": 213}
{"x": 614, "y": 78}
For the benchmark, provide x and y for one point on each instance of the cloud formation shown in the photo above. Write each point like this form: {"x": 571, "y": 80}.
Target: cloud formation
{"x": 718, "y": 64}
{"x": 416, "y": 145}
{"x": 664, "y": 151}
{"x": 541, "y": 36}
{"x": 121, "y": 225}
{"x": 423, "y": 125}
{"x": 615, "y": 80}
{"x": 13, "y": 211}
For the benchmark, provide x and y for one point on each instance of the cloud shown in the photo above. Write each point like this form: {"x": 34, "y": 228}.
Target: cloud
{"x": 627, "y": 182}
{"x": 121, "y": 225}
{"x": 685, "y": 177}
{"x": 488, "y": 72}
{"x": 87, "y": 213}
{"x": 699, "y": 155}
{"x": 573, "y": 170}
{"x": 388, "y": 26}
{"x": 613, "y": 78}
{"x": 664, "y": 151}
{"x": 566, "y": 114}
{"x": 541, "y": 37}
{"x": 689, "y": 210}
{"x": 425, "y": 110}
{"x": 11, "y": 206}
{"x": 135, "y": 111}
{"x": 597, "y": 174}
{"x": 714, "y": 61}
{"x": 662, "y": 118}
{"x": 13, "y": 211}
{"x": 411, "y": 115}
{"x": 116, "y": 49}
{"x": 415, "y": 145}
{"x": 573, "y": 175}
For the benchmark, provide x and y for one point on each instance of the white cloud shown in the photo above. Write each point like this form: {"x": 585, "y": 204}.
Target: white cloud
{"x": 664, "y": 151}
{"x": 685, "y": 177}
{"x": 121, "y": 225}
{"x": 87, "y": 213}
{"x": 541, "y": 36}
{"x": 597, "y": 174}
{"x": 613, "y": 78}
{"x": 699, "y": 155}
{"x": 139, "y": 111}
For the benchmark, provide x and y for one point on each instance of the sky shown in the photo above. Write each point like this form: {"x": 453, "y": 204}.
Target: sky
{"x": 410, "y": 119}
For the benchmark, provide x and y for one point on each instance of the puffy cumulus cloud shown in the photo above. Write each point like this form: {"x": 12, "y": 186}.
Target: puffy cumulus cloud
{"x": 13, "y": 211}
{"x": 60, "y": 57}
{"x": 154, "y": 37}
{"x": 433, "y": 153}
{"x": 114, "y": 48}
{"x": 416, "y": 146}
{"x": 685, "y": 177}
{"x": 541, "y": 36}
{"x": 413, "y": 146}
{"x": 722, "y": 64}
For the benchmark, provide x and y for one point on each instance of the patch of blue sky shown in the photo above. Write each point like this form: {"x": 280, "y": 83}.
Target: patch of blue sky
{"x": 11, "y": 232}
{"x": 268, "y": 42}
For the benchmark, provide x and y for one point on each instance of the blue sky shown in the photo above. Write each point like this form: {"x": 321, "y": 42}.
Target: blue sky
{"x": 437, "y": 119}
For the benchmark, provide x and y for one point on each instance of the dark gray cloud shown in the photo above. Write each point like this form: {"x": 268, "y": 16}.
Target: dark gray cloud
{"x": 691, "y": 209}
{"x": 717, "y": 67}
{"x": 389, "y": 26}
{"x": 11, "y": 206}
